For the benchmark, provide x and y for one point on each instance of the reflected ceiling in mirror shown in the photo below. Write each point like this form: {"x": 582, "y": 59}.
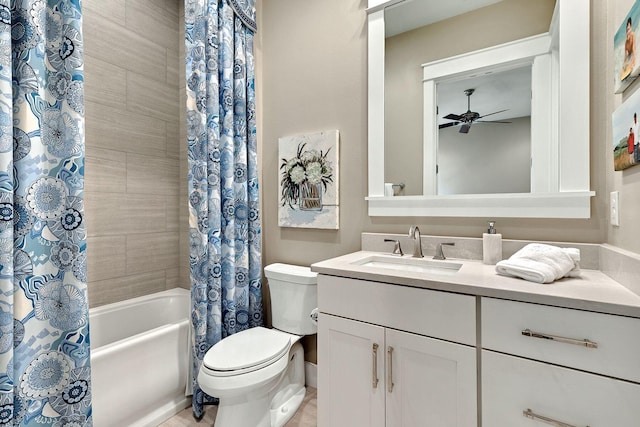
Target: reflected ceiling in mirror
{"x": 496, "y": 96}
{"x": 411, "y": 14}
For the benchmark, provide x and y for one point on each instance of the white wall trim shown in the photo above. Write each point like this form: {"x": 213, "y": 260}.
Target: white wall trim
{"x": 521, "y": 205}
{"x": 376, "y": 95}
{"x": 501, "y": 56}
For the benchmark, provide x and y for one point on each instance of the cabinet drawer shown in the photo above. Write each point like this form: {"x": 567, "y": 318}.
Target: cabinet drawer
{"x": 557, "y": 335}
{"x": 512, "y": 385}
{"x": 432, "y": 313}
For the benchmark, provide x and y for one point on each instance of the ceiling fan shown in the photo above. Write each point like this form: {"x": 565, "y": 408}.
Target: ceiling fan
{"x": 468, "y": 118}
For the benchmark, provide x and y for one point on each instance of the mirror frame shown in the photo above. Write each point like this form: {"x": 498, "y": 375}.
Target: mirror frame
{"x": 567, "y": 193}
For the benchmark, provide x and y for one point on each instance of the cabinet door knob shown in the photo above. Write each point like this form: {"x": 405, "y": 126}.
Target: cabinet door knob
{"x": 390, "y": 369}
{"x": 532, "y": 415}
{"x": 374, "y": 383}
{"x": 582, "y": 343}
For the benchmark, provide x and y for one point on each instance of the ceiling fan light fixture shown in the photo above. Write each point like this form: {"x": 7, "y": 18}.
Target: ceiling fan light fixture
{"x": 468, "y": 118}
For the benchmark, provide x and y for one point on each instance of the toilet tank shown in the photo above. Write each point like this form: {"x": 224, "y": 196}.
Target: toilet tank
{"x": 294, "y": 295}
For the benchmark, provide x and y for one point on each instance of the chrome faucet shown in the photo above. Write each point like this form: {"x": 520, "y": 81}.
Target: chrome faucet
{"x": 414, "y": 233}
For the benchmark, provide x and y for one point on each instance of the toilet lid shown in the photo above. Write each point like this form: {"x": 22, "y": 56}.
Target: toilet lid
{"x": 252, "y": 348}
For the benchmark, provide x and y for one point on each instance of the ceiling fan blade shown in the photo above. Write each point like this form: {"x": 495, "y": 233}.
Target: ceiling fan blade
{"x": 491, "y": 121}
{"x": 495, "y": 112}
{"x": 447, "y": 125}
{"x": 465, "y": 128}
{"x": 453, "y": 117}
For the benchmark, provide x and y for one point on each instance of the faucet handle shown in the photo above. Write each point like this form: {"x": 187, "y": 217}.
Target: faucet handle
{"x": 397, "y": 249}
{"x": 439, "y": 253}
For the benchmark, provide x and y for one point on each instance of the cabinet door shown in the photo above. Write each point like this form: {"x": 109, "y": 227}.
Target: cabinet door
{"x": 350, "y": 359}
{"x": 434, "y": 382}
{"x": 518, "y": 392}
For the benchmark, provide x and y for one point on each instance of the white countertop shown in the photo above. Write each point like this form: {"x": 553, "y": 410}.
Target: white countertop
{"x": 593, "y": 291}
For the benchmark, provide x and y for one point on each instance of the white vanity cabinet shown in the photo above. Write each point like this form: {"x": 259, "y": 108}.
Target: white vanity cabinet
{"x": 473, "y": 349}
{"x": 395, "y": 356}
{"x": 563, "y": 367}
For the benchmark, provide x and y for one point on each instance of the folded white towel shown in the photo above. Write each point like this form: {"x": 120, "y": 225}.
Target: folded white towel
{"x": 541, "y": 263}
{"x": 574, "y": 253}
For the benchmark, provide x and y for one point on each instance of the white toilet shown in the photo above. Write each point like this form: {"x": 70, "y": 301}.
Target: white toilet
{"x": 258, "y": 374}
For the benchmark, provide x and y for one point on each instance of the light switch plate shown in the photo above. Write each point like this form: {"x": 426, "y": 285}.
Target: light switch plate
{"x": 614, "y": 207}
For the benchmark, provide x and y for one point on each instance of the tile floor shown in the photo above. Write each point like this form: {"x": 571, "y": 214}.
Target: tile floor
{"x": 304, "y": 417}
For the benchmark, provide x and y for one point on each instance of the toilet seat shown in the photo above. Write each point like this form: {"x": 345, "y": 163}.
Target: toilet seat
{"x": 246, "y": 351}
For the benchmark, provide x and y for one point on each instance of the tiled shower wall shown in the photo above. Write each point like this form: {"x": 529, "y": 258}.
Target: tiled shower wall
{"x": 134, "y": 190}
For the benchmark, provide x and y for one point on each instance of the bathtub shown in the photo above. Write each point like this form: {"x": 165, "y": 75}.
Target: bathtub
{"x": 140, "y": 359}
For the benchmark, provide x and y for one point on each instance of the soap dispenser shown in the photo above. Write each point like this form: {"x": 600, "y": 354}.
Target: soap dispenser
{"x": 491, "y": 245}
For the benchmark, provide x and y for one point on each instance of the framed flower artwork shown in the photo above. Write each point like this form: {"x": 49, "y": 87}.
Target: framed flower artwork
{"x": 308, "y": 180}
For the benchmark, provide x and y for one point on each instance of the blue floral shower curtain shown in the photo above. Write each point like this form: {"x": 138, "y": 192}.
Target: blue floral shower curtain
{"x": 44, "y": 328}
{"x": 224, "y": 220}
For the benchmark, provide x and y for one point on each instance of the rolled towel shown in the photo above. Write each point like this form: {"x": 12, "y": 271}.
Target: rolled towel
{"x": 541, "y": 263}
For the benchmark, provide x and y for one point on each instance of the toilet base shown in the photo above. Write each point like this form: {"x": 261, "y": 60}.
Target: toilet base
{"x": 283, "y": 409}
{"x": 253, "y": 412}
{"x": 271, "y": 409}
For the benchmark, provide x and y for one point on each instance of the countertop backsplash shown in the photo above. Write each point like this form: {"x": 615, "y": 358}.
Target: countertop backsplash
{"x": 621, "y": 265}
{"x": 471, "y": 247}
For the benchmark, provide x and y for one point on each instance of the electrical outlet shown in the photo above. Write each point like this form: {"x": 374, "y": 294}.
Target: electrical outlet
{"x": 614, "y": 207}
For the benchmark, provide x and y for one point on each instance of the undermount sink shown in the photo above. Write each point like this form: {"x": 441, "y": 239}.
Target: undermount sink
{"x": 407, "y": 263}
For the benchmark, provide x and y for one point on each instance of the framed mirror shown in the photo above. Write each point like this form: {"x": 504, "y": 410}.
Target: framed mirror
{"x": 472, "y": 182}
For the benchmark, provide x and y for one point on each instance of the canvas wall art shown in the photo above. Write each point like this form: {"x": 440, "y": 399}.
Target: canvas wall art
{"x": 308, "y": 180}
{"x": 625, "y": 50}
{"x": 626, "y": 148}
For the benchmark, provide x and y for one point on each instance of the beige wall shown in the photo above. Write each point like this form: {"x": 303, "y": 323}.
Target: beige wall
{"x": 132, "y": 147}
{"x": 313, "y": 76}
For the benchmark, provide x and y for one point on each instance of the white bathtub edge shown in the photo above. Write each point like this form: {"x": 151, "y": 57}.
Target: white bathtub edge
{"x": 137, "y": 300}
{"x": 159, "y": 355}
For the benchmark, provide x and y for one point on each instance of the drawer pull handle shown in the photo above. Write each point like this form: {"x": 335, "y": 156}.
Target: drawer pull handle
{"x": 532, "y": 415}
{"x": 390, "y": 369}
{"x": 374, "y": 382}
{"x": 583, "y": 343}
